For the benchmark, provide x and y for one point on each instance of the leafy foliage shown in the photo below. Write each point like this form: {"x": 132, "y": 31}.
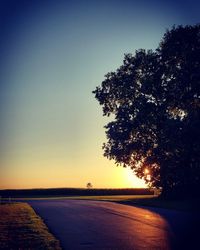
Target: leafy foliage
{"x": 155, "y": 99}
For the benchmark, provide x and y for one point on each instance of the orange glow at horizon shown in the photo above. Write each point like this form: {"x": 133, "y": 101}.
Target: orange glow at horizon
{"x": 105, "y": 175}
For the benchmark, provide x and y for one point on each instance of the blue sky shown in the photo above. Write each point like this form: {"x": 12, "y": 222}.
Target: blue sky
{"x": 53, "y": 54}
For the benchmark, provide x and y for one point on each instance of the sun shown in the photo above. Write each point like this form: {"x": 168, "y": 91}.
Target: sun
{"x": 133, "y": 180}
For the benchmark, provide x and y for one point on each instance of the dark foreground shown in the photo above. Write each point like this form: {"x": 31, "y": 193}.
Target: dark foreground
{"x": 82, "y": 224}
{"x": 63, "y": 192}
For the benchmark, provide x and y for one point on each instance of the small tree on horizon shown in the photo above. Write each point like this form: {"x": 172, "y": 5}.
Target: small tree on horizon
{"x": 89, "y": 185}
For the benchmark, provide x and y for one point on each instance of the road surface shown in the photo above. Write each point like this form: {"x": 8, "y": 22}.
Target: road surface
{"x": 84, "y": 224}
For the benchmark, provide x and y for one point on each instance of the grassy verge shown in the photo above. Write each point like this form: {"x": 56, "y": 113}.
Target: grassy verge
{"x": 180, "y": 205}
{"x": 132, "y": 200}
{"x": 141, "y": 200}
{"x": 21, "y": 228}
{"x": 89, "y": 197}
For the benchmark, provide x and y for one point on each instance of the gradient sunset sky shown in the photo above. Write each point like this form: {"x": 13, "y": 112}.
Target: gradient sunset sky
{"x": 52, "y": 55}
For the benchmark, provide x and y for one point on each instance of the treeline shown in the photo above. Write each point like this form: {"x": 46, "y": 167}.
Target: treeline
{"x": 49, "y": 192}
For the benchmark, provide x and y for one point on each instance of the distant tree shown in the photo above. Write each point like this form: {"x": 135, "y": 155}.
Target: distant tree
{"x": 89, "y": 185}
{"x": 155, "y": 99}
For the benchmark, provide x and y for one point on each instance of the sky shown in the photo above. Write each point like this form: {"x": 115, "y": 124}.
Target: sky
{"x": 53, "y": 55}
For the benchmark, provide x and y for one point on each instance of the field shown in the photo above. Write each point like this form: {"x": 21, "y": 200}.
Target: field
{"x": 21, "y": 228}
{"x": 134, "y": 200}
{"x": 63, "y": 192}
{"x": 84, "y": 197}
{"x": 129, "y": 196}
{"x": 154, "y": 201}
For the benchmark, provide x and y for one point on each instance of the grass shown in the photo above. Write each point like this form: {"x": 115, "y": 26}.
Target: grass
{"x": 89, "y": 197}
{"x": 21, "y": 228}
{"x": 132, "y": 200}
{"x": 180, "y": 205}
{"x": 145, "y": 200}
{"x": 53, "y": 192}
{"x": 140, "y": 200}
{"x": 116, "y": 198}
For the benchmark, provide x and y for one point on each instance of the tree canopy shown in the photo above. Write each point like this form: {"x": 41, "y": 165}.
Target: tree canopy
{"x": 155, "y": 99}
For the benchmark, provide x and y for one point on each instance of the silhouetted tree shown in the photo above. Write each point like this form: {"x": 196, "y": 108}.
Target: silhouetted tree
{"x": 155, "y": 100}
{"x": 89, "y": 185}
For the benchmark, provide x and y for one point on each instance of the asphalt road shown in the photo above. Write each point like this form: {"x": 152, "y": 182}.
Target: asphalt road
{"x": 83, "y": 224}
